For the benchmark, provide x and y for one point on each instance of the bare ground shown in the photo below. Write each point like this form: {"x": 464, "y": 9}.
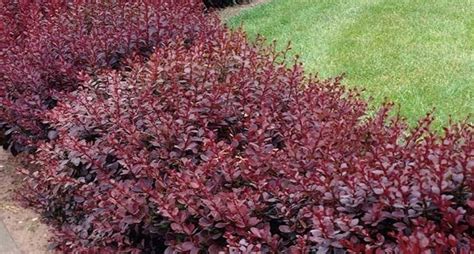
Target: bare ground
{"x": 235, "y": 10}
{"x": 24, "y": 225}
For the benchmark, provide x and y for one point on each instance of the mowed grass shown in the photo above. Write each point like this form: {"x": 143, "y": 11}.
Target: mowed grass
{"x": 417, "y": 53}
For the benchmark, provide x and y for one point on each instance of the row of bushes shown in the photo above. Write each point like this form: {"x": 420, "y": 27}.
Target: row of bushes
{"x": 48, "y": 46}
{"x": 158, "y": 130}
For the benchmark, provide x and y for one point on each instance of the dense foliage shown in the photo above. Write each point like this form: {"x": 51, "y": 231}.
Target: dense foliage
{"x": 47, "y": 46}
{"x": 209, "y": 143}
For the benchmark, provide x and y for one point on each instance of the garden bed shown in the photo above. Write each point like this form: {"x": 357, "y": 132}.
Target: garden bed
{"x": 152, "y": 128}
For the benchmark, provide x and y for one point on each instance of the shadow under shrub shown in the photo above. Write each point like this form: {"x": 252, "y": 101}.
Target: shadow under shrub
{"x": 215, "y": 146}
{"x": 224, "y": 3}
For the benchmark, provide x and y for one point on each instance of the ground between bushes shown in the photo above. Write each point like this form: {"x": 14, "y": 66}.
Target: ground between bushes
{"x": 234, "y": 10}
{"x": 24, "y": 225}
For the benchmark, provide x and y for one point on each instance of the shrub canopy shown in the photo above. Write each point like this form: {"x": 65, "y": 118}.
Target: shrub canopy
{"x": 205, "y": 142}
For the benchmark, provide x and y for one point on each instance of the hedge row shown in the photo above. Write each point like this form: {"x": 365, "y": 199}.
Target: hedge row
{"x": 205, "y": 142}
{"x": 49, "y": 46}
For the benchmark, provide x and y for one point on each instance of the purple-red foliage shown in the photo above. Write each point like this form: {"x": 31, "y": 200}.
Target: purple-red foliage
{"x": 47, "y": 46}
{"x": 216, "y": 145}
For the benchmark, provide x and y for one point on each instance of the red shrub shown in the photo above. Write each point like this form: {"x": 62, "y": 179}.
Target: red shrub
{"x": 48, "y": 45}
{"x": 215, "y": 145}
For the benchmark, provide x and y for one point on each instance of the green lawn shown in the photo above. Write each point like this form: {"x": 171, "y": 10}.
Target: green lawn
{"x": 418, "y": 53}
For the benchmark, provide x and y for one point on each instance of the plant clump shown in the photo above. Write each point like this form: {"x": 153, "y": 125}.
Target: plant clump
{"x": 210, "y": 143}
{"x": 48, "y": 46}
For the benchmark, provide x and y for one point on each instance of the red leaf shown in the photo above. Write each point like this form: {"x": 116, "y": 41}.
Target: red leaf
{"x": 284, "y": 229}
